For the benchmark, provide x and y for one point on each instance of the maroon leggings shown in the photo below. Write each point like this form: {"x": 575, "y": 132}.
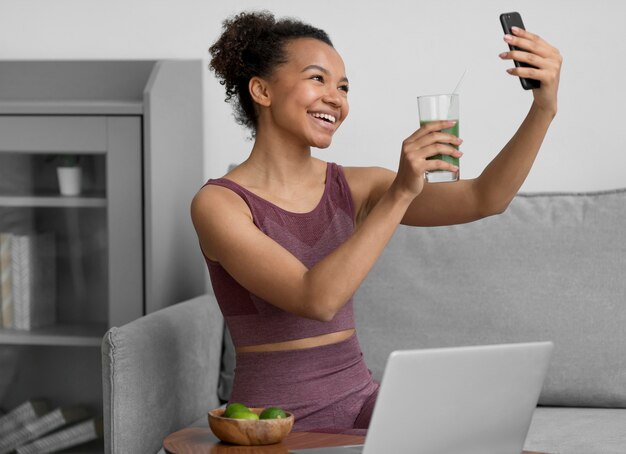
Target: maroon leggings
{"x": 327, "y": 388}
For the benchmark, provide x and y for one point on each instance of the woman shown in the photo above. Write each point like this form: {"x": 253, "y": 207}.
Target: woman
{"x": 289, "y": 238}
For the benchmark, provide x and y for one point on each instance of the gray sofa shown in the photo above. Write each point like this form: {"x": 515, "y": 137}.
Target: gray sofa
{"x": 552, "y": 267}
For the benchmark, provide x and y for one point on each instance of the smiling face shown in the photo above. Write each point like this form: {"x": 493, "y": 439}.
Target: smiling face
{"x": 306, "y": 97}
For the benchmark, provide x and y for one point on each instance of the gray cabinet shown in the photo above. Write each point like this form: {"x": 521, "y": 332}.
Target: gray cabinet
{"x": 125, "y": 246}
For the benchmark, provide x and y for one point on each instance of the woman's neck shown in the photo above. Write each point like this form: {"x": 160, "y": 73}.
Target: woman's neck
{"x": 285, "y": 175}
{"x": 275, "y": 162}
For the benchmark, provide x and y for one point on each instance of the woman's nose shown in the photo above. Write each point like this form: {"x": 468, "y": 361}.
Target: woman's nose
{"x": 333, "y": 97}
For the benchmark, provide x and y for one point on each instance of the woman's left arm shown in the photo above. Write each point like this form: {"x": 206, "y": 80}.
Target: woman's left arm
{"x": 492, "y": 191}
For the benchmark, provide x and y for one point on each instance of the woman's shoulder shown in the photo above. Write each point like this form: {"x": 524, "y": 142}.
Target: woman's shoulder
{"x": 217, "y": 198}
{"x": 361, "y": 171}
{"x": 214, "y": 210}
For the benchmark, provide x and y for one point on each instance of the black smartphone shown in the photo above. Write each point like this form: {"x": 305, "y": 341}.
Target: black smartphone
{"x": 509, "y": 20}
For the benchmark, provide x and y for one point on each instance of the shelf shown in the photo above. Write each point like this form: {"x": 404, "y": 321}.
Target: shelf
{"x": 52, "y": 201}
{"x": 72, "y": 107}
{"x": 123, "y": 247}
{"x": 92, "y": 447}
{"x": 87, "y": 335}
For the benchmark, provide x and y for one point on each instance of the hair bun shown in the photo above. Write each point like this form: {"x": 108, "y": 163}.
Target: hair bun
{"x": 235, "y": 52}
{"x": 251, "y": 44}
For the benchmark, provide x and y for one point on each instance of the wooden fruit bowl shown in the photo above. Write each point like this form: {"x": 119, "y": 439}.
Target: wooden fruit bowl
{"x": 249, "y": 432}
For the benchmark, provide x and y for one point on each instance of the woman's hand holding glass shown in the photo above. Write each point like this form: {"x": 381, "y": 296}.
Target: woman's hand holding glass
{"x": 425, "y": 143}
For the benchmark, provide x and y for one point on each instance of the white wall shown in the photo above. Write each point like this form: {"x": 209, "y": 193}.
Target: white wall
{"x": 394, "y": 51}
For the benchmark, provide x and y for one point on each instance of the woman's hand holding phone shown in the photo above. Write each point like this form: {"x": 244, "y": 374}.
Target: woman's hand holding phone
{"x": 546, "y": 61}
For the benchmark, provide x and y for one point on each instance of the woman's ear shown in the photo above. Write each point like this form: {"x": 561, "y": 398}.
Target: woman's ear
{"x": 259, "y": 91}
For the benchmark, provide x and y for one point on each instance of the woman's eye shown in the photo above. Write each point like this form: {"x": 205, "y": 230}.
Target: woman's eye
{"x": 345, "y": 88}
{"x": 318, "y": 78}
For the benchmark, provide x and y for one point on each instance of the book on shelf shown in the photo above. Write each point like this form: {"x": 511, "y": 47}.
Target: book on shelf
{"x": 6, "y": 286}
{"x": 33, "y": 280}
{"x": 20, "y": 415}
{"x": 74, "y": 435}
{"x": 32, "y": 430}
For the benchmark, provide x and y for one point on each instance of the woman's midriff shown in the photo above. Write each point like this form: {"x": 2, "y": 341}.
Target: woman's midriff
{"x": 308, "y": 342}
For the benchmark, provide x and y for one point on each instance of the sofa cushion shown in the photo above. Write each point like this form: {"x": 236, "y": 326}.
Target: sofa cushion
{"x": 577, "y": 431}
{"x": 552, "y": 267}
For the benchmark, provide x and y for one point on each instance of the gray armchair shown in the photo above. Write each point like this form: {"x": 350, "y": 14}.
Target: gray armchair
{"x": 160, "y": 374}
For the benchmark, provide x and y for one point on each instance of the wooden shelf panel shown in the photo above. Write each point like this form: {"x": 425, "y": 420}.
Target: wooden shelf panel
{"x": 72, "y": 107}
{"x": 86, "y": 201}
{"x": 88, "y": 335}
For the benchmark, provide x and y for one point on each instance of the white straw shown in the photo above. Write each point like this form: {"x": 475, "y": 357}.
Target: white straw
{"x": 459, "y": 82}
{"x": 455, "y": 91}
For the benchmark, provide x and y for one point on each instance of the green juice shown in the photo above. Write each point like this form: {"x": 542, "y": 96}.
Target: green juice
{"x": 454, "y": 130}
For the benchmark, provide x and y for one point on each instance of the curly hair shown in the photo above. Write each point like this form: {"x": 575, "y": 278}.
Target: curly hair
{"x": 252, "y": 44}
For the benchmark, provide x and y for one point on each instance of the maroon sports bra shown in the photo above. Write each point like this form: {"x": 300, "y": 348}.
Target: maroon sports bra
{"x": 308, "y": 236}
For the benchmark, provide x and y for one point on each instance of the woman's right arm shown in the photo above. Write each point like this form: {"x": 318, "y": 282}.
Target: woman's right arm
{"x": 228, "y": 235}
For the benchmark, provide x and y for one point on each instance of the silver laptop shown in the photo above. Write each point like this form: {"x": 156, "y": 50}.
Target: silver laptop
{"x": 461, "y": 400}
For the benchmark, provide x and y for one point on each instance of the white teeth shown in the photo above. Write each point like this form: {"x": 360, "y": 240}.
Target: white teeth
{"x": 324, "y": 116}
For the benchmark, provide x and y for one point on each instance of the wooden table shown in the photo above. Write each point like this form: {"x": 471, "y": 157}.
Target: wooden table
{"x": 200, "y": 440}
